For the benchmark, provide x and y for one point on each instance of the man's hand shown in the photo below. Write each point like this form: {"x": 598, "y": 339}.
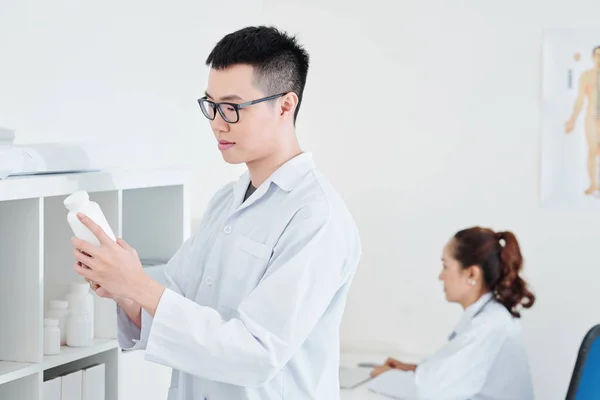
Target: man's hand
{"x": 100, "y": 291}
{"x": 114, "y": 267}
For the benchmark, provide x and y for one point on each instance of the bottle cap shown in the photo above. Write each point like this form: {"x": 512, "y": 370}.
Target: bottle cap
{"x": 59, "y": 304}
{"x": 74, "y": 201}
{"x": 50, "y": 322}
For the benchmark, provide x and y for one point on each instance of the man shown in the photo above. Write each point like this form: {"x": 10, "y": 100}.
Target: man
{"x": 589, "y": 87}
{"x": 255, "y": 297}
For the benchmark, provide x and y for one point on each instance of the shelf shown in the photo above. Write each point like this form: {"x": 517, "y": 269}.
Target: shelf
{"x": 70, "y": 354}
{"x": 24, "y": 388}
{"x": 21, "y": 250}
{"x": 26, "y": 187}
{"x": 10, "y": 371}
{"x": 149, "y": 208}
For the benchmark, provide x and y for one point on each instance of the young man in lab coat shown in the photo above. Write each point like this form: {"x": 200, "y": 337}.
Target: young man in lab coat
{"x": 254, "y": 298}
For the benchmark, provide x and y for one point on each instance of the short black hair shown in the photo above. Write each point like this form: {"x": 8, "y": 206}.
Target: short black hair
{"x": 280, "y": 63}
{"x": 595, "y": 48}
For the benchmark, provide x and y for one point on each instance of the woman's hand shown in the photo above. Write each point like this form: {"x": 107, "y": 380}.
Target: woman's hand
{"x": 395, "y": 364}
{"x": 392, "y": 363}
{"x": 380, "y": 370}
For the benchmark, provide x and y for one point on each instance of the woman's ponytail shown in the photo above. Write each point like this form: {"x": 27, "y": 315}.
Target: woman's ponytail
{"x": 511, "y": 290}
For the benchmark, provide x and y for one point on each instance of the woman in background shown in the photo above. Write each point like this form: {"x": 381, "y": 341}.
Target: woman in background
{"x": 485, "y": 357}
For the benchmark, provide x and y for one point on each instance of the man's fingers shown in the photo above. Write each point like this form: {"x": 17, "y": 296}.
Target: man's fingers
{"x": 84, "y": 246}
{"x": 83, "y": 259}
{"x": 103, "y": 292}
{"x": 124, "y": 244}
{"x": 93, "y": 284}
{"x": 84, "y": 272}
{"x": 96, "y": 230}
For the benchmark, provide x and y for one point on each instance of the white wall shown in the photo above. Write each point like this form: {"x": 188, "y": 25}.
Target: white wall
{"x": 425, "y": 115}
{"x": 123, "y": 72}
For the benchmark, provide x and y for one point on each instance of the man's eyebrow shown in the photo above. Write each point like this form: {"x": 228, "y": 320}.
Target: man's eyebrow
{"x": 230, "y": 97}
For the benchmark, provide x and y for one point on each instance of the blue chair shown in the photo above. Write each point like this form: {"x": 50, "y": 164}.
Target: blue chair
{"x": 585, "y": 381}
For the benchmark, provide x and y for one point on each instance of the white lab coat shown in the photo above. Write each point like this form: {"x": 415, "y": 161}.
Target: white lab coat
{"x": 484, "y": 360}
{"x": 255, "y": 298}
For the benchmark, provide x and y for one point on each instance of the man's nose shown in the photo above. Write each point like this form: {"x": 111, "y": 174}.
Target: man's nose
{"x": 218, "y": 124}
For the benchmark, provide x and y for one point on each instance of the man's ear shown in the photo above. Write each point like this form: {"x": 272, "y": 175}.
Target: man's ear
{"x": 289, "y": 103}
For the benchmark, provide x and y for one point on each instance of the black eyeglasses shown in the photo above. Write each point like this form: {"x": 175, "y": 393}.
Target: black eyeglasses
{"x": 230, "y": 112}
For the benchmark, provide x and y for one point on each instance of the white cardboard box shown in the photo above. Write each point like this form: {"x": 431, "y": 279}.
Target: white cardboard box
{"x": 52, "y": 389}
{"x": 72, "y": 385}
{"x": 93, "y": 383}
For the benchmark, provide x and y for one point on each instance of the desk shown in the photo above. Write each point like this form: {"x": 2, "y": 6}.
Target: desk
{"x": 361, "y": 393}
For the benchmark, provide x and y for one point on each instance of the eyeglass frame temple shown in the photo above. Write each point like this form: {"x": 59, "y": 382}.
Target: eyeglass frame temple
{"x": 252, "y": 102}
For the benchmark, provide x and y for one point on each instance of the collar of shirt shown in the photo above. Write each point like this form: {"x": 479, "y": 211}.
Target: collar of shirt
{"x": 286, "y": 177}
{"x": 478, "y": 305}
{"x": 471, "y": 312}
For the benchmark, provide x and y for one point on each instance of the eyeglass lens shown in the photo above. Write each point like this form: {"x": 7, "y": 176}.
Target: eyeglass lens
{"x": 227, "y": 111}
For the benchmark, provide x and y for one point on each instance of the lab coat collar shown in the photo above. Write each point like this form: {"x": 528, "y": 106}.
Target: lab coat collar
{"x": 476, "y": 307}
{"x": 286, "y": 177}
{"x": 470, "y": 313}
{"x": 289, "y": 175}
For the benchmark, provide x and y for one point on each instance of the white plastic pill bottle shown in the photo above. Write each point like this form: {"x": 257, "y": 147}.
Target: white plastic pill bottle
{"x": 79, "y": 296}
{"x": 51, "y": 336}
{"x": 79, "y": 326}
{"x": 58, "y": 310}
{"x": 79, "y": 202}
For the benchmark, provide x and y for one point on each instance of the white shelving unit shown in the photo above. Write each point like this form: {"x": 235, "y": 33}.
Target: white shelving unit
{"x": 149, "y": 209}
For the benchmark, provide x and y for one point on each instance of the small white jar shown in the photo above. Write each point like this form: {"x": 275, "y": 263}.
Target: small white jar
{"x": 79, "y": 294}
{"x": 51, "y": 337}
{"x": 58, "y": 310}
{"x": 79, "y": 326}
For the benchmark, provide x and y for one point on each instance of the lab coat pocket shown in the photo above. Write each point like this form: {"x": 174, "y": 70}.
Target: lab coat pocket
{"x": 245, "y": 267}
{"x": 252, "y": 247}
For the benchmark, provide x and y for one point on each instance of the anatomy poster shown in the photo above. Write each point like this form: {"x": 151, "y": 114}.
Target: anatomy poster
{"x": 570, "y": 157}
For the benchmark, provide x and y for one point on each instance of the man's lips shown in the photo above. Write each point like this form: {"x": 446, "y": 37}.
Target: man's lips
{"x": 225, "y": 145}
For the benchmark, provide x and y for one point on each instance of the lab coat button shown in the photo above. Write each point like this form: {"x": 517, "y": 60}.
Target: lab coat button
{"x": 227, "y": 229}
{"x": 208, "y": 280}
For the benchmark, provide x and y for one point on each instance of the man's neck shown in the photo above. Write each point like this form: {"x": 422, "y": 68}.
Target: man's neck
{"x": 262, "y": 168}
